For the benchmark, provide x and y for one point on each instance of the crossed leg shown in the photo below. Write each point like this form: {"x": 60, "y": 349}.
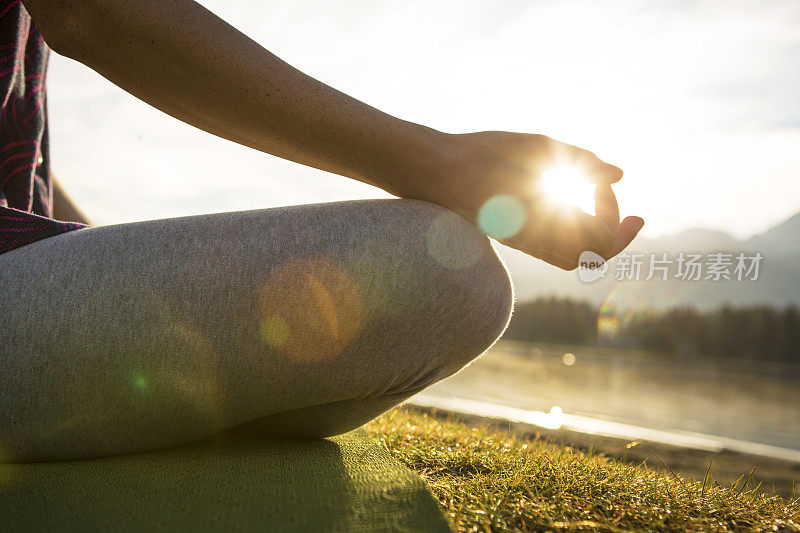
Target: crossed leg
{"x": 302, "y": 321}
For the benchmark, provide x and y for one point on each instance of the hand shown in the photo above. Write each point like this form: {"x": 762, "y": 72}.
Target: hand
{"x": 494, "y": 179}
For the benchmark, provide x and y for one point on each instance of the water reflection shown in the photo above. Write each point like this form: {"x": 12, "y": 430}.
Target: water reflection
{"x": 721, "y": 398}
{"x": 554, "y": 419}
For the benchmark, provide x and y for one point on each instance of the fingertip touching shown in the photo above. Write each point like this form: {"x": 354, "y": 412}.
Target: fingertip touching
{"x": 635, "y": 223}
{"x": 606, "y": 173}
{"x": 628, "y": 230}
{"x": 614, "y": 173}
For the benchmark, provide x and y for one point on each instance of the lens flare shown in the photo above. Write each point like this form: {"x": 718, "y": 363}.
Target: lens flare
{"x": 141, "y": 382}
{"x": 446, "y": 238}
{"x": 567, "y": 185}
{"x": 608, "y": 320}
{"x": 275, "y": 331}
{"x": 135, "y": 391}
{"x": 502, "y": 216}
{"x": 309, "y": 309}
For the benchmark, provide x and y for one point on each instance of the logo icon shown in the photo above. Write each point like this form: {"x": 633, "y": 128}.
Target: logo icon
{"x": 591, "y": 267}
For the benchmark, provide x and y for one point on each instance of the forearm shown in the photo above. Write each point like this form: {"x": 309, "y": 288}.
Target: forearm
{"x": 182, "y": 59}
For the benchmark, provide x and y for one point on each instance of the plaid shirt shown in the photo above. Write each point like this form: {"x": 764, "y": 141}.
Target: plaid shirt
{"x": 26, "y": 199}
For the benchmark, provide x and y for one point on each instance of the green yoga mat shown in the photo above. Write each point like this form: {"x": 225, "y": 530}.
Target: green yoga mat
{"x": 347, "y": 483}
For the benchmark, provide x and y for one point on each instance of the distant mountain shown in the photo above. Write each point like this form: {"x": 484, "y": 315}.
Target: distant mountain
{"x": 778, "y": 280}
{"x": 785, "y": 236}
{"x": 690, "y": 240}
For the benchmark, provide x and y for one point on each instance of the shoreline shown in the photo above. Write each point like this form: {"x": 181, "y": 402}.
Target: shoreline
{"x": 556, "y": 420}
{"x": 690, "y": 456}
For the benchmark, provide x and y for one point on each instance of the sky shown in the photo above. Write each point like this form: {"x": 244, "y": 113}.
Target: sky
{"x": 698, "y": 102}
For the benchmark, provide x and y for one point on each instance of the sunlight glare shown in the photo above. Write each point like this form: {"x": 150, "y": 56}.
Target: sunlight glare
{"x": 567, "y": 185}
{"x": 554, "y": 419}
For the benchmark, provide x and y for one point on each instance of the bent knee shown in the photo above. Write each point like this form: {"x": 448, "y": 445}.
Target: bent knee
{"x": 463, "y": 270}
{"x": 454, "y": 291}
{"x": 481, "y": 306}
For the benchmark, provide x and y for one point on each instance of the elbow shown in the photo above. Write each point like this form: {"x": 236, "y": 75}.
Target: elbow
{"x": 65, "y": 25}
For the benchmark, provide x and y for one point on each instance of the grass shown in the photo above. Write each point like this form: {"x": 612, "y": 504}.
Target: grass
{"x": 490, "y": 481}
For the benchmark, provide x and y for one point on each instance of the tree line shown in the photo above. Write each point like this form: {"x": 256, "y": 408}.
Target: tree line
{"x": 762, "y": 331}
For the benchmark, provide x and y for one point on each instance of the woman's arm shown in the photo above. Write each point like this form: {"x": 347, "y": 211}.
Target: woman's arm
{"x": 63, "y": 206}
{"x": 184, "y": 60}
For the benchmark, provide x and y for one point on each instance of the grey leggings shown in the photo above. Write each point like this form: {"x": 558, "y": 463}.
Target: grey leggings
{"x": 298, "y": 321}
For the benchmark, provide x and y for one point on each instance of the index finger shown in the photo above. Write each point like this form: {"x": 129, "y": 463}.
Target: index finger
{"x": 606, "y": 207}
{"x": 597, "y": 170}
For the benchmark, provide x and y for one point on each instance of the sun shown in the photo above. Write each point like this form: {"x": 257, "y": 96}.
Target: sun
{"x": 567, "y": 185}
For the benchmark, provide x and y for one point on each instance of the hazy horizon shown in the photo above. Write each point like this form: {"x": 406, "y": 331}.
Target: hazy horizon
{"x": 696, "y": 102}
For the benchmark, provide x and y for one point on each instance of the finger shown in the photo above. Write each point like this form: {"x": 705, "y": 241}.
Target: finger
{"x": 606, "y": 173}
{"x": 555, "y": 260}
{"x": 594, "y": 235}
{"x": 569, "y": 232}
{"x": 628, "y": 230}
{"x": 597, "y": 170}
{"x": 606, "y": 207}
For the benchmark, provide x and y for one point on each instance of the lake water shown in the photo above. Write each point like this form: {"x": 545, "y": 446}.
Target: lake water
{"x": 703, "y": 403}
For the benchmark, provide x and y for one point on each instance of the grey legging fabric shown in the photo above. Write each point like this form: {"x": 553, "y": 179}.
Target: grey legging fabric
{"x": 297, "y": 321}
